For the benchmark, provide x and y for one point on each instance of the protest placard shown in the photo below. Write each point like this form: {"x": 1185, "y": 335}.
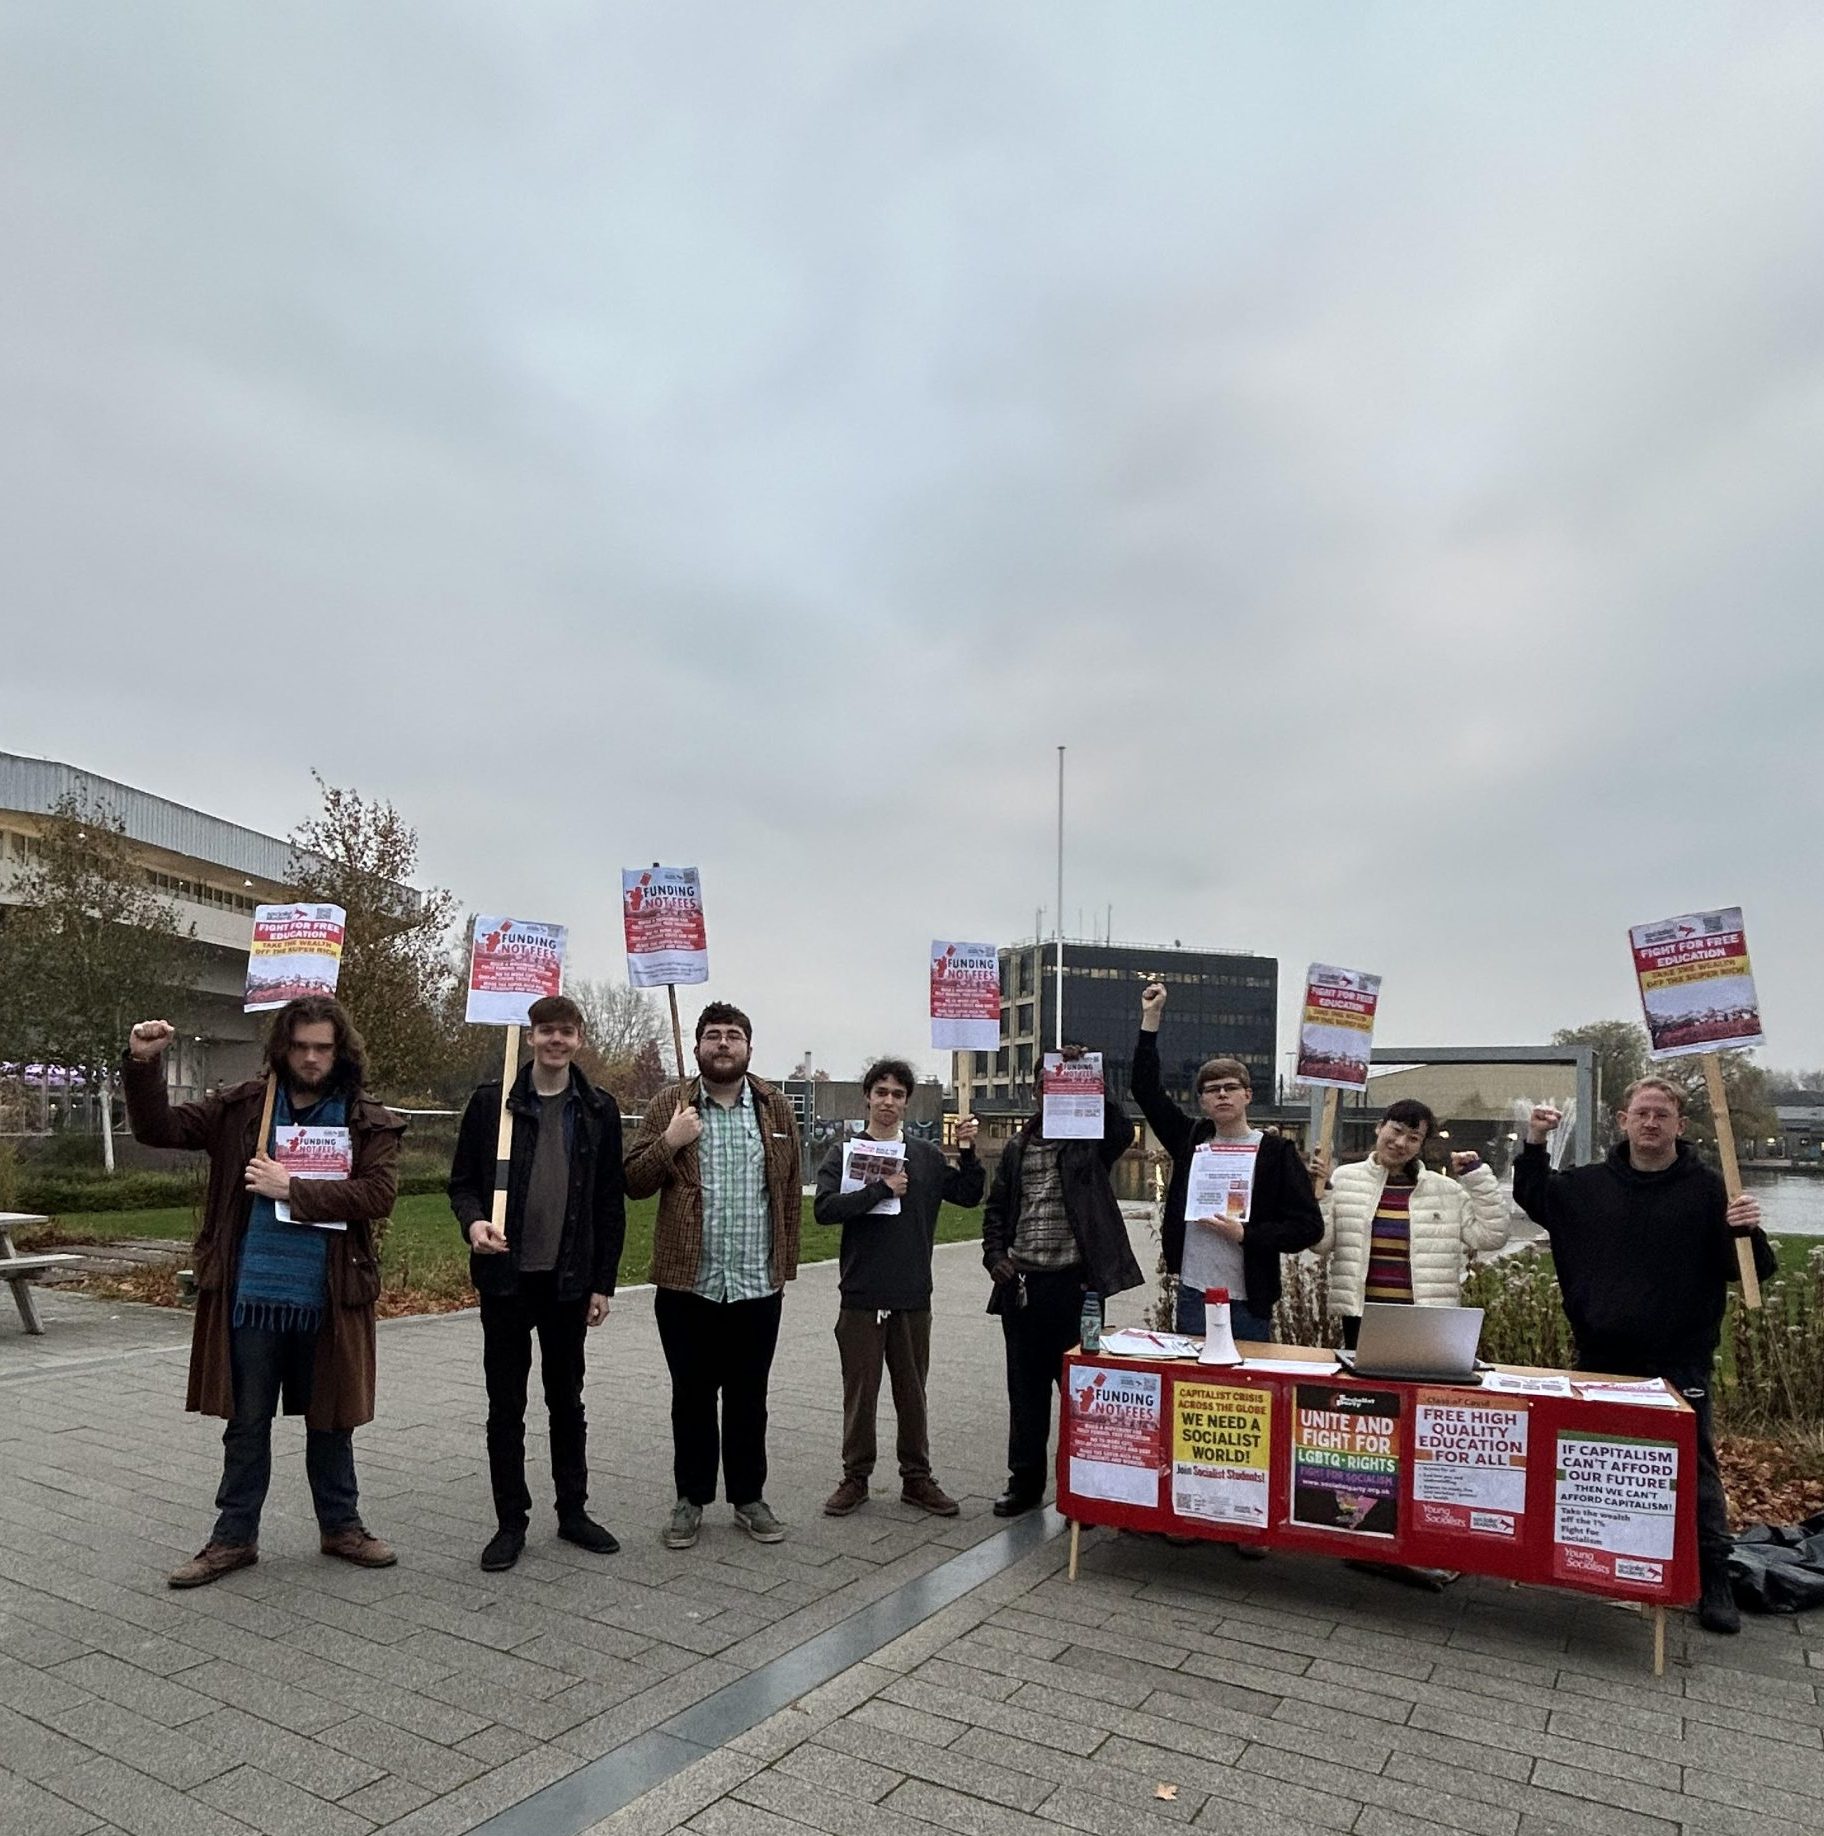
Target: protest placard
{"x": 1697, "y": 991}
{"x": 865, "y": 1160}
{"x": 1221, "y": 1180}
{"x": 312, "y": 1153}
{"x": 1468, "y": 1464}
{"x": 1071, "y": 1097}
{"x": 1116, "y": 1439}
{"x": 512, "y": 963}
{"x": 965, "y": 998}
{"x": 1222, "y": 1446}
{"x": 1696, "y": 985}
{"x": 1615, "y": 1508}
{"x": 662, "y": 915}
{"x": 1346, "y": 1459}
{"x": 296, "y": 952}
{"x": 1336, "y": 1031}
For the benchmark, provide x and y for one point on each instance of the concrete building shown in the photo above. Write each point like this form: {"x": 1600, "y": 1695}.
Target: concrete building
{"x": 1801, "y": 1118}
{"x": 213, "y": 873}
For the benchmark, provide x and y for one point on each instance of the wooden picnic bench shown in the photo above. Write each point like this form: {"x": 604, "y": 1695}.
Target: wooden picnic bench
{"x": 18, "y": 1270}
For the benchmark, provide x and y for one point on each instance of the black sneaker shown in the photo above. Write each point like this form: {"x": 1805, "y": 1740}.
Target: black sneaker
{"x": 586, "y": 1533}
{"x": 503, "y": 1550}
{"x": 1716, "y": 1610}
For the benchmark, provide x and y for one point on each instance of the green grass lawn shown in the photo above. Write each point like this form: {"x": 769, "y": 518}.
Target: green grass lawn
{"x": 424, "y": 1250}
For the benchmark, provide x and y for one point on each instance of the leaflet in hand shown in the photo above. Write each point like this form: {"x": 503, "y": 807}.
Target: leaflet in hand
{"x": 1221, "y": 1183}
{"x": 865, "y": 1160}
{"x": 312, "y": 1153}
{"x": 1072, "y": 1097}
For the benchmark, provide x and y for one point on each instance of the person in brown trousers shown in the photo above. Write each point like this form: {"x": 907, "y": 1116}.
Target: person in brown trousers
{"x": 286, "y": 1273}
{"x": 885, "y": 1312}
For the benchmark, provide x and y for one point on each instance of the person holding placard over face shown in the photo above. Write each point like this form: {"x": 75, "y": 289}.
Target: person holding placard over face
{"x": 286, "y": 1273}
{"x": 887, "y": 1205}
{"x": 721, "y": 1151}
{"x": 1267, "y": 1211}
{"x": 550, "y": 1269}
{"x": 1644, "y": 1244}
{"x": 1052, "y": 1231}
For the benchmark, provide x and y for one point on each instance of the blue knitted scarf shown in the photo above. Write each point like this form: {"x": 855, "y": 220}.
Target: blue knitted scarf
{"x": 284, "y": 1278}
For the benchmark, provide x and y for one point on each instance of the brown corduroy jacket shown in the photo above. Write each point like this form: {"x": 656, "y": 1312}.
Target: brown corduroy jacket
{"x": 223, "y": 1125}
{"x": 677, "y": 1234}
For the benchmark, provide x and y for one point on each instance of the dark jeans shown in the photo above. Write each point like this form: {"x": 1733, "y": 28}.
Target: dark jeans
{"x": 1693, "y": 1382}
{"x": 718, "y": 1350}
{"x": 1037, "y": 1336}
{"x": 1244, "y": 1322}
{"x": 508, "y": 1322}
{"x": 902, "y": 1342}
{"x": 264, "y": 1364}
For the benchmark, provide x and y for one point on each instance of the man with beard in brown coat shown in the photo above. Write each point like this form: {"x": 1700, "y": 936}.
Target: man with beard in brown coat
{"x": 285, "y": 1301}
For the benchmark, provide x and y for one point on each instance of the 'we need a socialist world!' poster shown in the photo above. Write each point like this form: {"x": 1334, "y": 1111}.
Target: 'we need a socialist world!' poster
{"x": 662, "y": 913}
{"x": 512, "y": 963}
{"x": 1695, "y": 984}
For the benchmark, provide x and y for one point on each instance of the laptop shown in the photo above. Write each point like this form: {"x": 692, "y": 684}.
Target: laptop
{"x": 1416, "y": 1344}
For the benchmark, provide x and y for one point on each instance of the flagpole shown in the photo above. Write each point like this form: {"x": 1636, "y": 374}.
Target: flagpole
{"x": 1057, "y": 997}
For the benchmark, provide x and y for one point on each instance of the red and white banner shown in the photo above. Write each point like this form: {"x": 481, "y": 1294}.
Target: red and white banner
{"x": 1696, "y": 986}
{"x": 296, "y": 951}
{"x": 662, "y": 913}
{"x": 1336, "y": 1031}
{"x": 512, "y": 963}
{"x": 965, "y": 998}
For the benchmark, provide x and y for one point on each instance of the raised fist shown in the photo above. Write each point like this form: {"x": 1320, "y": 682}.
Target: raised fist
{"x": 149, "y": 1038}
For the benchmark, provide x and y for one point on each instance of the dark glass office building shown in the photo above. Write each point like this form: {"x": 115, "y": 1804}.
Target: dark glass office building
{"x": 1220, "y": 1005}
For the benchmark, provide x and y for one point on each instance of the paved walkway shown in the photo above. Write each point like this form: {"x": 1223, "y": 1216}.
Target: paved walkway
{"x": 305, "y": 1696}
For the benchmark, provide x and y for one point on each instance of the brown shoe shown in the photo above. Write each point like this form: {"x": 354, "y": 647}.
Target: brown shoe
{"x": 851, "y": 1495}
{"x": 928, "y": 1495}
{"x": 213, "y": 1561}
{"x": 355, "y": 1545}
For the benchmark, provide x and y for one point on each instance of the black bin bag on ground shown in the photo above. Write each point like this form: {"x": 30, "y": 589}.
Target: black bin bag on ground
{"x": 1779, "y": 1569}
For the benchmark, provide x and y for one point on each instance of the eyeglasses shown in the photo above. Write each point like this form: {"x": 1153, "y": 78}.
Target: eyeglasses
{"x": 1231, "y": 1088}
{"x": 715, "y": 1036}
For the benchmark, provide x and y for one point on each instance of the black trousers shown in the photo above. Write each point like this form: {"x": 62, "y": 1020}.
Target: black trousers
{"x": 1037, "y": 1336}
{"x": 1693, "y": 1382}
{"x": 718, "y": 1351}
{"x": 507, "y": 1325}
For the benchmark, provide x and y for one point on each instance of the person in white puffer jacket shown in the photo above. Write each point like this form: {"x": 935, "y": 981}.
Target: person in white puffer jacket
{"x": 1394, "y": 1231}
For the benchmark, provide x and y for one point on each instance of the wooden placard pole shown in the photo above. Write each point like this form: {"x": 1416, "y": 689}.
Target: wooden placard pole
{"x": 503, "y": 1139}
{"x": 677, "y": 1031}
{"x": 261, "y": 1140}
{"x": 1326, "y": 1130}
{"x": 1732, "y": 1173}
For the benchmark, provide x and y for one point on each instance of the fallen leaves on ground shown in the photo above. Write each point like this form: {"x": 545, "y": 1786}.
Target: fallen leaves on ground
{"x": 1770, "y": 1482}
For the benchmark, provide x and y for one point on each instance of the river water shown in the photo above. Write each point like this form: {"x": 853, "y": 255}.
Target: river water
{"x": 1792, "y": 1204}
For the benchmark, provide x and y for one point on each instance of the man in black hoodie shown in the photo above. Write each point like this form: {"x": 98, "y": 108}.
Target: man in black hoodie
{"x": 1643, "y": 1243}
{"x": 1283, "y": 1215}
{"x": 551, "y": 1271}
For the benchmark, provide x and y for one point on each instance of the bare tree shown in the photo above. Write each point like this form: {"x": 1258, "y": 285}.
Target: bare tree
{"x": 617, "y": 1020}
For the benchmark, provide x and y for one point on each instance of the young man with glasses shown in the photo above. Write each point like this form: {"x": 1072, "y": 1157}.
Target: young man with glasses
{"x": 1283, "y": 1215}
{"x": 721, "y": 1150}
{"x": 1643, "y": 1244}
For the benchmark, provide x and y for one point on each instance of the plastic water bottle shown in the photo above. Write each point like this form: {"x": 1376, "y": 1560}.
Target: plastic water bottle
{"x": 1090, "y": 1332}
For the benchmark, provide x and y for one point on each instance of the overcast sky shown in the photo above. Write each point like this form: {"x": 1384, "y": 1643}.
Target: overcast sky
{"x": 1384, "y": 443}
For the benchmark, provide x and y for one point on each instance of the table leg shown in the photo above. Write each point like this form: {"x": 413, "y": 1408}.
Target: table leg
{"x": 1659, "y": 1641}
{"x": 1076, "y": 1539}
{"x": 28, "y": 1305}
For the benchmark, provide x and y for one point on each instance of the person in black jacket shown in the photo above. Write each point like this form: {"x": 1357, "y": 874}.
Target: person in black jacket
{"x": 551, "y": 1271}
{"x": 885, "y": 1312}
{"x": 1052, "y": 1231}
{"x": 1644, "y": 1247}
{"x": 1283, "y": 1215}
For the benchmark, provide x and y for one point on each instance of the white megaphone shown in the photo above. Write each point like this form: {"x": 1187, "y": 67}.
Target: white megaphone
{"x": 1218, "y": 1336}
